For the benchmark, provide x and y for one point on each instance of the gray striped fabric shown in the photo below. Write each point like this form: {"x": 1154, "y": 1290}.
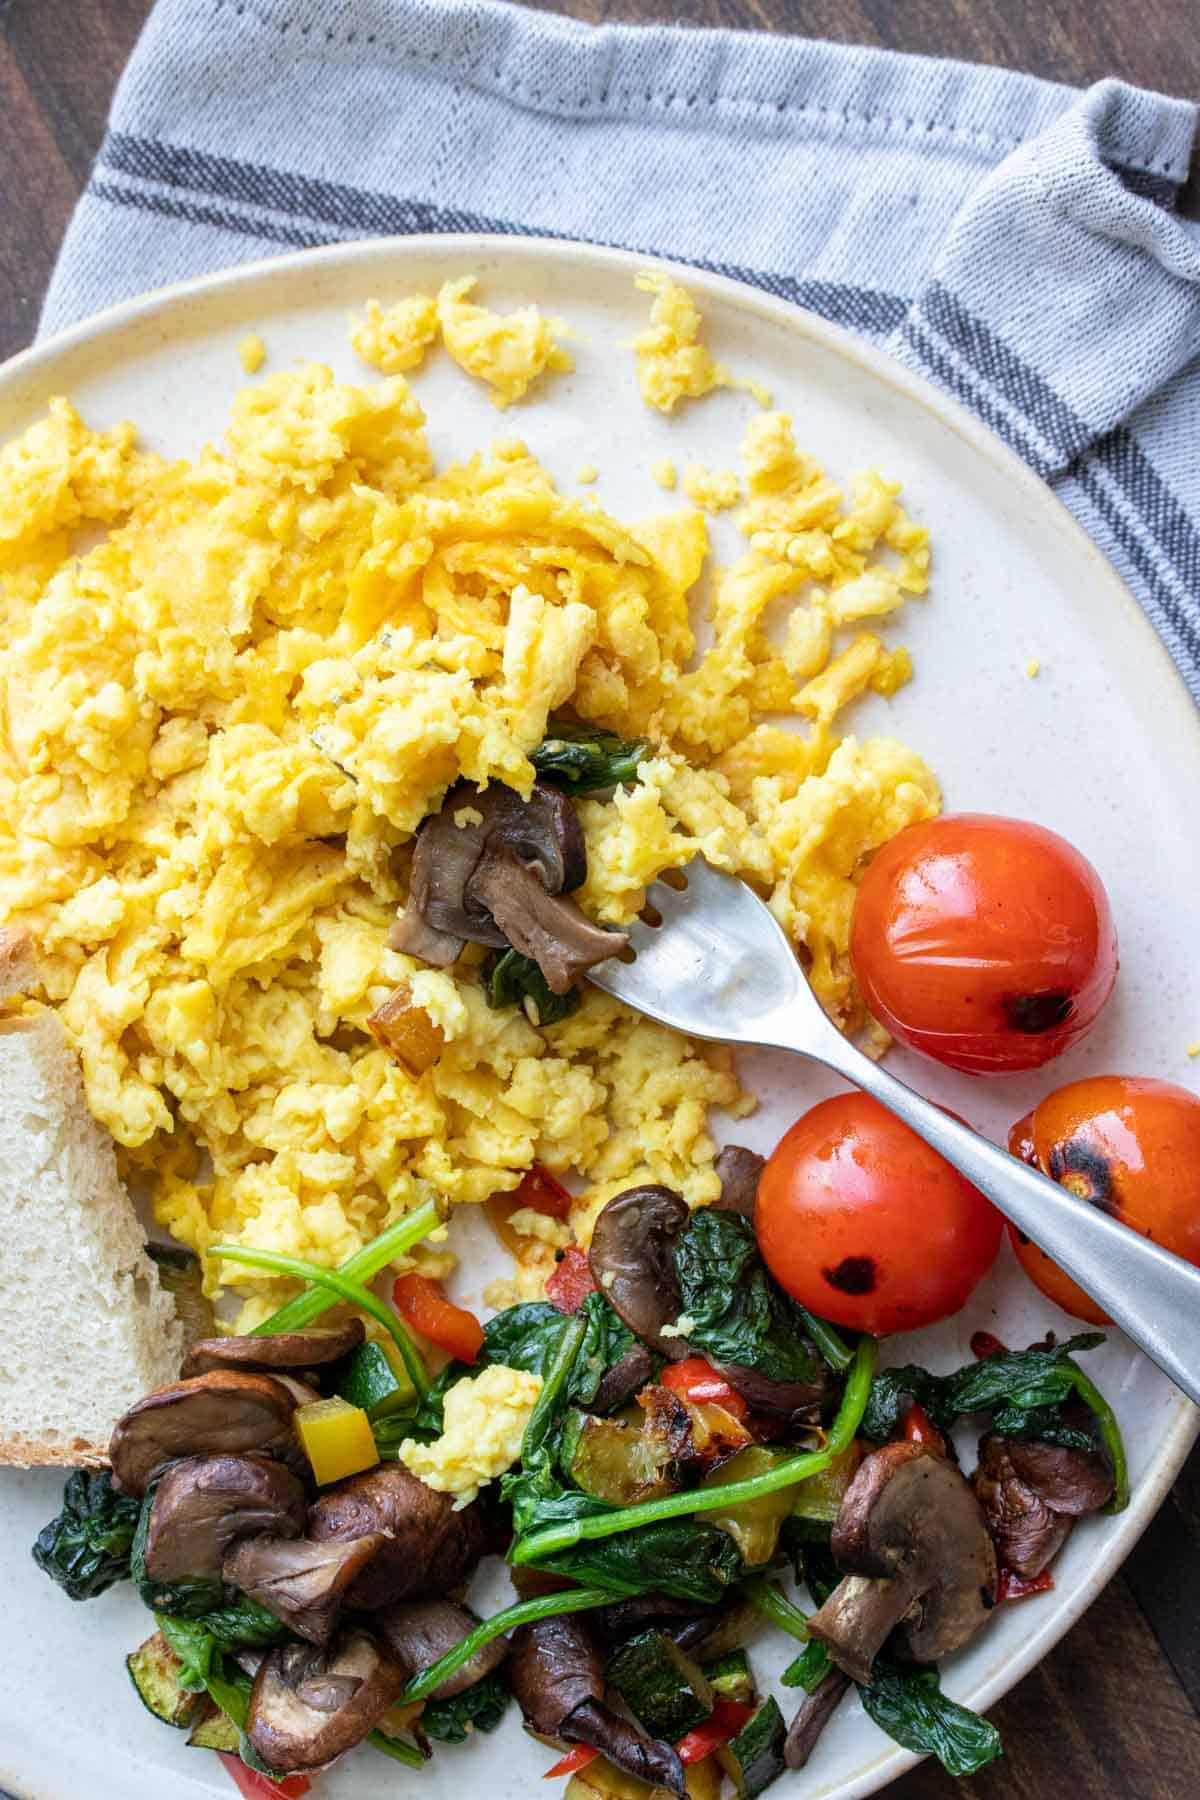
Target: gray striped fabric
{"x": 1016, "y": 241}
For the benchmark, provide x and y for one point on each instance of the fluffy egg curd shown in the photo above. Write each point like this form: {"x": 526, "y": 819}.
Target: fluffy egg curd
{"x": 233, "y": 687}
{"x": 485, "y": 1416}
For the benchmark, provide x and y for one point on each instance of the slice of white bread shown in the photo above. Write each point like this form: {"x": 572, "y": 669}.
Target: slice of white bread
{"x": 85, "y": 1328}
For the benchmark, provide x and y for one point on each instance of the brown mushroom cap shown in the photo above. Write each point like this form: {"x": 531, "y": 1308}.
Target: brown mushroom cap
{"x": 545, "y": 926}
{"x": 1032, "y": 1492}
{"x": 225, "y": 1410}
{"x": 431, "y": 1547}
{"x": 632, "y": 1259}
{"x": 418, "y": 1633}
{"x": 308, "y": 1706}
{"x": 543, "y": 832}
{"x": 915, "y": 1539}
{"x": 497, "y": 878}
{"x": 204, "y": 1503}
{"x": 288, "y": 1350}
{"x": 303, "y": 1583}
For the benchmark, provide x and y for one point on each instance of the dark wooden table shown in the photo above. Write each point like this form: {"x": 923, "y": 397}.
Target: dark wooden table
{"x": 1114, "y": 1712}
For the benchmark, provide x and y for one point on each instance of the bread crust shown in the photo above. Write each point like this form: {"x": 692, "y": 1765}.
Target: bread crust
{"x": 18, "y": 961}
{"x": 26, "y": 1453}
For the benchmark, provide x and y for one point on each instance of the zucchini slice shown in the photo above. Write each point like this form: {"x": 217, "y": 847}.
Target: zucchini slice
{"x": 754, "y": 1758}
{"x": 374, "y": 1378}
{"x": 661, "y": 1685}
{"x": 617, "y": 1462}
{"x": 216, "y": 1731}
{"x": 154, "y": 1671}
{"x": 731, "y": 1677}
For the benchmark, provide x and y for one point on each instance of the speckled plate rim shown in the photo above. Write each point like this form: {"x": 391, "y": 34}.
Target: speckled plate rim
{"x": 33, "y": 365}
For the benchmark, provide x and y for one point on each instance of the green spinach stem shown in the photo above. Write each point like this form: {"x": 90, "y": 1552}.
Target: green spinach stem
{"x": 363, "y": 1266}
{"x": 340, "y": 1287}
{"x": 542, "y": 1416}
{"x": 1110, "y": 1432}
{"x": 525, "y": 1612}
{"x": 548, "y": 1542}
{"x": 776, "y": 1607}
{"x": 830, "y": 1343}
{"x": 408, "y": 1754}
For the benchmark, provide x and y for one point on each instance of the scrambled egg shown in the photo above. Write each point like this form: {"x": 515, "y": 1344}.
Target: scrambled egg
{"x": 252, "y": 353}
{"x": 672, "y": 363}
{"x": 484, "y": 1418}
{"x": 711, "y": 489}
{"x": 508, "y": 352}
{"x": 233, "y": 687}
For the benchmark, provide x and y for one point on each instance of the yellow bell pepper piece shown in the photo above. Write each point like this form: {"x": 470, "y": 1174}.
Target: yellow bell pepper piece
{"x": 337, "y": 1439}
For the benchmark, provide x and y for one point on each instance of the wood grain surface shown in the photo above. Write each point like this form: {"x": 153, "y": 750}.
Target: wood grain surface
{"x": 1114, "y": 1712}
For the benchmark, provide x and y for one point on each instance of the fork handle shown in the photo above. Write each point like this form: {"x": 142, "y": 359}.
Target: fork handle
{"x": 1153, "y": 1296}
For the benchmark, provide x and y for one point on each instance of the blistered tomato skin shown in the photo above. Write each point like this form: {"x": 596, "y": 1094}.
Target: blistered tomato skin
{"x": 985, "y": 943}
{"x": 1130, "y": 1145}
{"x": 859, "y": 1220}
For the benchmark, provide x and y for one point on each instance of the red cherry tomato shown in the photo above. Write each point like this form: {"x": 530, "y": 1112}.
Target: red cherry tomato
{"x": 866, "y": 1225}
{"x": 422, "y": 1304}
{"x": 985, "y": 943}
{"x": 1129, "y": 1144}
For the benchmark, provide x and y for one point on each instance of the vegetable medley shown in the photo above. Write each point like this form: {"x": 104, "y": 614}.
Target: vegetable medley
{"x": 689, "y": 1438}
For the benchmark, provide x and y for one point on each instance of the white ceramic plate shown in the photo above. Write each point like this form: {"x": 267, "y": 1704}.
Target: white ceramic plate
{"x": 1102, "y": 746}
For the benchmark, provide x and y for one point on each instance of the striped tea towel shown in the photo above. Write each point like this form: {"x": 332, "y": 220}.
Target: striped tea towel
{"x": 1014, "y": 240}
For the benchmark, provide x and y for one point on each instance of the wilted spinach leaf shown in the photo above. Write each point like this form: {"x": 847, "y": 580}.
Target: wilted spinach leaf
{"x": 86, "y": 1548}
{"x": 245, "y": 1625}
{"x": 910, "y": 1706}
{"x": 583, "y": 758}
{"x": 478, "y": 1708}
{"x": 1022, "y": 1381}
{"x": 509, "y": 979}
{"x": 687, "y": 1558}
{"x": 735, "y": 1312}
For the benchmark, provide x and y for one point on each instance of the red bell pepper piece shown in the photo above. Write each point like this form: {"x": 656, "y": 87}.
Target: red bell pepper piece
{"x": 259, "y": 1787}
{"x": 572, "y": 1281}
{"x": 539, "y": 1190}
{"x": 983, "y": 1345}
{"x": 724, "y": 1722}
{"x": 573, "y": 1761}
{"x": 1010, "y": 1586}
{"x": 696, "y": 1380}
{"x": 422, "y": 1304}
{"x": 919, "y": 1428}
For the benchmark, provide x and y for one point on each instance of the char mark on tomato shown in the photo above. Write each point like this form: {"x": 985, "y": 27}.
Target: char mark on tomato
{"x": 1033, "y": 1014}
{"x": 853, "y": 1275}
{"x": 1085, "y": 1172}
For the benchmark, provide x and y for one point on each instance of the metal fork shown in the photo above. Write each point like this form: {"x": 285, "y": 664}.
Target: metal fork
{"x": 720, "y": 966}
